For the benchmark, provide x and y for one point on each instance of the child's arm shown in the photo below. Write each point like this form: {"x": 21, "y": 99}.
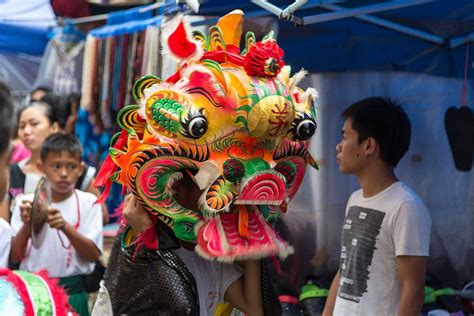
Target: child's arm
{"x": 4, "y": 210}
{"x": 246, "y": 292}
{"x": 85, "y": 247}
{"x": 18, "y": 246}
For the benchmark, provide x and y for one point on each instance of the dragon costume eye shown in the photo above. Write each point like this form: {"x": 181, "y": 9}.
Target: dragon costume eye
{"x": 303, "y": 128}
{"x": 195, "y": 125}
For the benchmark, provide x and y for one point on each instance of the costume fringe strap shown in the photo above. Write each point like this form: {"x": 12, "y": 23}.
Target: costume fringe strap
{"x": 108, "y": 168}
{"x": 147, "y": 238}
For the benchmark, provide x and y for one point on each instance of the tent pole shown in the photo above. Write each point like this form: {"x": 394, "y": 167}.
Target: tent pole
{"x": 461, "y": 40}
{"x": 346, "y": 12}
{"x": 100, "y": 17}
{"x": 392, "y": 26}
{"x": 285, "y": 14}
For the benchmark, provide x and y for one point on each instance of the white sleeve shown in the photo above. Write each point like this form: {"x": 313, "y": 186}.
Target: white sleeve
{"x": 231, "y": 272}
{"x": 349, "y": 202}
{"x": 15, "y": 221}
{"x": 6, "y": 235}
{"x": 411, "y": 229}
{"x": 92, "y": 223}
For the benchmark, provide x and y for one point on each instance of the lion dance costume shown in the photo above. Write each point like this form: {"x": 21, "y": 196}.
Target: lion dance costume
{"x": 232, "y": 118}
{"x": 27, "y": 294}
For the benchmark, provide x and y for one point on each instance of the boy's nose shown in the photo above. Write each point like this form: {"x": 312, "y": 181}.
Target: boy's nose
{"x": 338, "y": 147}
{"x": 63, "y": 172}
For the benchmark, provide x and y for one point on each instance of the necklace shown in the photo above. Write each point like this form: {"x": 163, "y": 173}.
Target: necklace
{"x": 69, "y": 247}
{"x": 75, "y": 227}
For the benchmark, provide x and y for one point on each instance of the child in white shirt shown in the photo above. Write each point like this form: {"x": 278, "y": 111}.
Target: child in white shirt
{"x": 72, "y": 241}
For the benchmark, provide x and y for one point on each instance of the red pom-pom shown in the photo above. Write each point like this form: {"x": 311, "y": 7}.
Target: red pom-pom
{"x": 179, "y": 44}
{"x": 264, "y": 59}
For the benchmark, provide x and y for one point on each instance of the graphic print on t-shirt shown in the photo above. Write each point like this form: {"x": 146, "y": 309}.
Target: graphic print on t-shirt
{"x": 359, "y": 235}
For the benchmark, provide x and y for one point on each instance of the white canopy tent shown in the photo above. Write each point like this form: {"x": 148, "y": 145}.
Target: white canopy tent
{"x": 24, "y": 26}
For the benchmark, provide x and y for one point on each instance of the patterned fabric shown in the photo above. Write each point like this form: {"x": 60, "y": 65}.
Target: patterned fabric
{"x": 158, "y": 280}
{"x": 61, "y": 66}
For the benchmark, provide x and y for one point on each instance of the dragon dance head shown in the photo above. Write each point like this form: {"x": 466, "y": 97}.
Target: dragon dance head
{"x": 233, "y": 119}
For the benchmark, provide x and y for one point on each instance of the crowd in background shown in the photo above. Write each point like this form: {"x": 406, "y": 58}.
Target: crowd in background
{"x": 68, "y": 241}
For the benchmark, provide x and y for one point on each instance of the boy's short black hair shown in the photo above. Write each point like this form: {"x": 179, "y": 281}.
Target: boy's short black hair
{"x": 61, "y": 142}
{"x": 386, "y": 122}
{"x": 6, "y": 114}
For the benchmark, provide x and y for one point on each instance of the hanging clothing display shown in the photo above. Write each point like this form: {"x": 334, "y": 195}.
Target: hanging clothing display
{"x": 114, "y": 60}
{"x": 115, "y": 56}
{"x": 61, "y": 66}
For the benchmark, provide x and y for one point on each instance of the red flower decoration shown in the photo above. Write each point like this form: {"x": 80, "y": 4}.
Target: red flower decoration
{"x": 264, "y": 59}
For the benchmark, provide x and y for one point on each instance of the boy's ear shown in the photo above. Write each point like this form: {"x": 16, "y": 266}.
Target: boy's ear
{"x": 370, "y": 146}
{"x": 40, "y": 166}
{"x": 82, "y": 167}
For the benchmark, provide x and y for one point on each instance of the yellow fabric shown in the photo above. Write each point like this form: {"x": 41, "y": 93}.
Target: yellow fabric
{"x": 231, "y": 27}
{"x": 223, "y": 310}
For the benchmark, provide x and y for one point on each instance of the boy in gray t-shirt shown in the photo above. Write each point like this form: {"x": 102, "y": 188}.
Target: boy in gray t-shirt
{"x": 386, "y": 232}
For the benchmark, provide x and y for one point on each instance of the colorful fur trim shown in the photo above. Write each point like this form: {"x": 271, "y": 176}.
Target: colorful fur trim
{"x": 20, "y": 285}
{"x": 59, "y": 295}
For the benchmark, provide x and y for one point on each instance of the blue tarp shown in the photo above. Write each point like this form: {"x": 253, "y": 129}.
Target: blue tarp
{"x": 353, "y": 45}
{"x": 15, "y": 38}
{"x": 342, "y": 45}
{"x": 24, "y": 26}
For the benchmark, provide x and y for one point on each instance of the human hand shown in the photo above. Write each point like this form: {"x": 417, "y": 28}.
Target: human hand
{"x": 55, "y": 218}
{"x": 25, "y": 212}
{"x": 135, "y": 214}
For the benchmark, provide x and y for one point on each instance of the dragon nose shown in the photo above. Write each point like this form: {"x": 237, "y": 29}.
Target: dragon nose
{"x": 266, "y": 188}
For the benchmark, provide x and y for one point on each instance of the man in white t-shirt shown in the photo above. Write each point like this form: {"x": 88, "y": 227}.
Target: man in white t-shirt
{"x": 386, "y": 232}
